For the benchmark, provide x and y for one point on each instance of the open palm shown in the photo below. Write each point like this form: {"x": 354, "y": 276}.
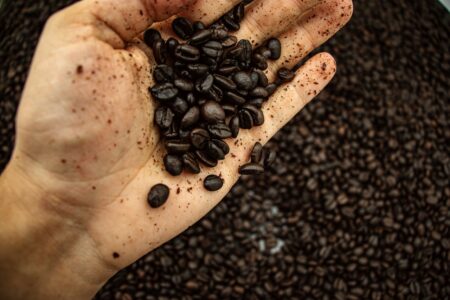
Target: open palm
{"x": 85, "y": 132}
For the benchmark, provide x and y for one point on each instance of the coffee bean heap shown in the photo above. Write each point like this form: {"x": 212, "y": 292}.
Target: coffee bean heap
{"x": 208, "y": 88}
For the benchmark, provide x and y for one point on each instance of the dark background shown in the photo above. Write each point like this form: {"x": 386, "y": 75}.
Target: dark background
{"x": 358, "y": 202}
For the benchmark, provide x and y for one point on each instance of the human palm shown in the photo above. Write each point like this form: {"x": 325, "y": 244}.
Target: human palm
{"x": 85, "y": 132}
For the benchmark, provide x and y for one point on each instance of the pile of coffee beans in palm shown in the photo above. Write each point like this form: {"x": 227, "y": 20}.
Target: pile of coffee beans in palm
{"x": 208, "y": 88}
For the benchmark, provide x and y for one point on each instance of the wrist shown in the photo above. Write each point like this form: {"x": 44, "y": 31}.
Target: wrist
{"x": 42, "y": 255}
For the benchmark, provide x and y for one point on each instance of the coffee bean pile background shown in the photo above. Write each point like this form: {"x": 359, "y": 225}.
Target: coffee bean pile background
{"x": 357, "y": 204}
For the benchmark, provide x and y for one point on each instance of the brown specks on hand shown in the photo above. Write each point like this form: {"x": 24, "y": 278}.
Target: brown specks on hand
{"x": 79, "y": 69}
{"x": 115, "y": 255}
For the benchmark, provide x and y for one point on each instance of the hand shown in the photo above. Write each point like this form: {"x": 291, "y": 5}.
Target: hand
{"x": 87, "y": 152}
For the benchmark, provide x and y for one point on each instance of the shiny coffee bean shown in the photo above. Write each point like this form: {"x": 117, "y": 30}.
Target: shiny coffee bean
{"x": 177, "y": 146}
{"x": 164, "y": 92}
{"x": 257, "y": 102}
{"x": 151, "y": 36}
{"x": 245, "y": 119}
{"x": 184, "y": 134}
{"x": 228, "y": 70}
{"x": 259, "y": 61}
{"x": 211, "y": 62}
{"x": 274, "y": 46}
{"x": 190, "y": 99}
{"x": 271, "y": 88}
{"x": 184, "y": 85}
{"x": 164, "y": 117}
{"x": 262, "y": 78}
{"x": 205, "y": 159}
{"x": 243, "y": 93}
{"x": 229, "y": 109}
{"x": 160, "y": 51}
{"x": 158, "y": 195}
{"x": 215, "y": 93}
{"x": 224, "y": 82}
{"x": 270, "y": 158}
{"x": 219, "y": 131}
{"x": 173, "y": 164}
{"x": 246, "y": 56}
{"x": 235, "y": 52}
{"x": 234, "y": 126}
{"x": 256, "y": 152}
{"x": 228, "y": 21}
{"x": 201, "y": 101}
{"x": 214, "y": 151}
{"x": 255, "y": 78}
{"x": 172, "y": 132}
{"x": 183, "y": 28}
{"x": 234, "y": 98}
{"x": 222, "y": 145}
{"x": 199, "y": 138}
{"x": 179, "y": 66}
{"x": 239, "y": 12}
{"x": 190, "y": 118}
{"x": 213, "y": 49}
{"x": 264, "y": 51}
{"x": 190, "y": 163}
{"x": 257, "y": 114}
{"x": 213, "y": 183}
{"x": 199, "y": 25}
{"x": 205, "y": 84}
{"x": 229, "y": 42}
{"x": 259, "y": 92}
{"x": 219, "y": 34}
{"x": 212, "y": 112}
{"x": 285, "y": 75}
{"x": 198, "y": 70}
{"x": 230, "y": 62}
{"x": 201, "y": 37}
{"x": 243, "y": 80}
{"x": 172, "y": 45}
{"x": 187, "y": 53}
{"x": 179, "y": 106}
{"x": 251, "y": 169}
{"x": 163, "y": 74}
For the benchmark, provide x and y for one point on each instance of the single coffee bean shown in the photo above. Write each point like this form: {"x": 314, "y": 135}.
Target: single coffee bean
{"x": 190, "y": 163}
{"x": 190, "y": 118}
{"x": 270, "y": 158}
{"x": 251, "y": 169}
{"x": 201, "y": 101}
{"x": 219, "y": 131}
{"x": 285, "y": 75}
{"x": 205, "y": 84}
{"x": 219, "y": 34}
{"x": 243, "y": 80}
{"x": 224, "y": 82}
{"x": 274, "y": 46}
{"x": 228, "y": 21}
{"x": 259, "y": 61}
{"x": 213, "y": 183}
{"x": 172, "y": 45}
{"x": 271, "y": 88}
{"x": 198, "y": 70}
{"x": 212, "y": 112}
{"x": 262, "y": 78}
{"x": 205, "y": 159}
{"x": 245, "y": 119}
{"x": 214, "y": 151}
{"x": 160, "y": 51}
{"x": 234, "y": 98}
{"x": 201, "y": 37}
{"x": 259, "y": 92}
{"x": 229, "y": 42}
{"x": 228, "y": 70}
{"x": 257, "y": 102}
{"x": 215, "y": 93}
{"x": 235, "y": 52}
{"x": 190, "y": 99}
{"x": 179, "y": 66}
{"x": 184, "y": 85}
{"x": 229, "y": 109}
{"x": 255, "y": 78}
{"x": 239, "y": 12}
{"x": 256, "y": 152}
{"x": 222, "y": 145}
{"x": 246, "y": 56}
{"x": 199, "y": 138}
{"x": 213, "y": 49}
{"x": 234, "y": 126}
{"x": 185, "y": 75}
{"x": 211, "y": 62}
{"x": 165, "y": 91}
{"x": 257, "y": 114}
{"x": 158, "y": 195}
{"x": 173, "y": 164}
{"x": 264, "y": 51}
{"x": 151, "y": 36}
{"x": 187, "y": 53}
{"x": 183, "y": 28}
{"x": 198, "y": 25}
{"x": 164, "y": 117}
{"x": 163, "y": 74}
{"x": 184, "y": 134}
{"x": 172, "y": 131}
{"x": 177, "y": 146}
{"x": 243, "y": 93}
{"x": 179, "y": 106}
{"x": 230, "y": 62}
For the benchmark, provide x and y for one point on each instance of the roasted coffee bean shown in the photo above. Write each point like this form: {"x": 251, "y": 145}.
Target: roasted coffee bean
{"x": 234, "y": 98}
{"x": 229, "y": 42}
{"x": 264, "y": 51}
{"x": 269, "y": 158}
{"x": 212, "y": 112}
{"x": 235, "y": 52}
{"x": 179, "y": 106}
{"x": 172, "y": 45}
{"x": 259, "y": 92}
{"x": 160, "y": 51}
{"x": 190, "y": 118}
{"x": 179, "y": 66}
{"x": 184, "y": 85}
{"x": 213, "y": 49}
{"x": 198, "y": 25}
{"x": 262, "y": 78}
{"x": 173, "y": 164}
{"x": 172, "y": 131}
{"x": 256, "y": 153}
{"x": 184, "y": 134}
{"x": 205, "y": 159}
{"x": 210, "y": 62}
{"x": 215, "y": 93}
{"x": 230, "y": 62}
{"x": 285, "y": 75}
{"x": 274, "y": 46}
{"x": 222, "y": 145}
{"x": 203, "y": 85}
{"x": 246, "y": 55}
{"x": 257, "y": 114}
{"x": 213, "y": 183}
{"x": 259, "y": 61}
{"x": 214, "y": 151}
{"x": 243, "y": 80}
{"x": 190, "y": 99}
{"x": 164, "y": 117}
{"x": 239, "y": 12}
{"x": 224, "y": 82}
{"x": 234, "y": 126}
{"x": 151, "y": 36}
{"x": 187, "y": 53}
{"x": 271, "y": 88}
{"x": 201, "y": 101}
{"x": 199, "y": 138}
{"x": 243, "y": 93}
{"x": 228, "y": 70}
{"x": 229, "y": 109}
{"x": 190, "y": 163}
{"x": 198, "y": 70}
{"x": 177, "y": 146}
{"x": 228, "y": 21}
{"x": 257, "y": 102}
{"x": 245, "y": 119}
{"x": 251, "y": 169}
{"x": 158, "y": 195}
{"x": 219, "y": 131}
{"x": 163, "y": 74}
{"x": 201, "y": 37}
{"x": 219, "y": 34}
{"x": 164, "y": 92}
{"x": 183, "y": 28}
{"x": 255, "y": 78}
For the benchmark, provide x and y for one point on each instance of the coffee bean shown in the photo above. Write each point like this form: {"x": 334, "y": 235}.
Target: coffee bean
{"x": 228, "y": 21}
{"x": 184, "y": 85}
{"x": 160, "y": 51}
{"x": 229, "y": 42}
{"x": 215, "y": 93}
{"x": 214, "y": 151}
{"x": 187, "y": 53}
{"x": 239, "y": 12}
{"x": 199, "y": 138}
{"x": 172, "y": 45}
{"x": 190, "y": 163}
{"x": 205, "y": 159}
{"x": 251, "y": 169}
{"x": 177, "y": 146}
{"x": 257, "y": 114}
{"x": 234, "y": 98}
{"x": 198, "y": 70}
{"x": 163, "y": 74}
{"x": 183, "y": 28}
{"x": 219, "y": 131}
{"x": 158, "y": 195}
{"x": 203, "y": 85}
{"x": 229, "y": 109}
{"x": 257, "y": 102}
{"x": 255, "y": 78}
{"x": 259, "y": 92}
{"x": 256, "y": 153}
{"x": 213, "y": 183}
{"x": 274, "y": 46}
{"x": 201, "y": 37}
{"x": 219, "y": 34}
{"x": 262, "y": 78}
{"x": 246, "y": 56}
{"x": 235, "y": 52}
{"x": 173, "y": 164}
{"x": 165, "y": 91}
{"x": 224, "y": 82}
{"x": 264, "y": 51}
{"x": 269, "y": 158}
{"x": 179, "y": 106}
{"x": 234, "y": 126}
{"x": 271, "y": 88}
{"x": 213, "y": 49}
{"x": 190, "y": 118}
{"x": 198, "y": 25}
{"x": 190, "y": 99}
{"x": 151, "y": 36}
{"x": 222, "y": 145}
{"x": 171, "y": 132}
{"x": 245, "y": 119}
{"x": 243, "y": 80}
{"x": 285, "y": 75}
{"x": 228, "y": 70}
{"x": 210, "y": 62}
{"x": 259, "y": 61}
{"x": 212, "y": 112}
{"x": 243, "y": 93}
{"x": 164, "y": 117}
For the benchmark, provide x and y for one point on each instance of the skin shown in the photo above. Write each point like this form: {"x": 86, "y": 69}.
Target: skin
{"x": 73, "y": 207}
